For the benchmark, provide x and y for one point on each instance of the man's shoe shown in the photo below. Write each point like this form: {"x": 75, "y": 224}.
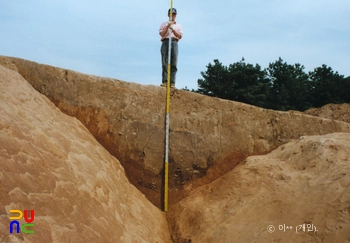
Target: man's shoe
{"x": 172, "y": 85}
{"x": 163, "y": 85}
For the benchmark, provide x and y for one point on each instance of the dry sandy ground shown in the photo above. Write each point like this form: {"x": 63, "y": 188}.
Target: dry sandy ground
{"x": 340, "y": 112}
{"x": 305, "y": 182}
{"x": 50, "y": 163}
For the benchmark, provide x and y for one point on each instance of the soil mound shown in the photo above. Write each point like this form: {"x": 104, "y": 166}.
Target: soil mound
{"x": 50, "y": 163}
{"x": 208, "y": 136}
{"x": 340, "y": 112}
{"x": 297, "y": 193}
{"x": 220, "y": 158}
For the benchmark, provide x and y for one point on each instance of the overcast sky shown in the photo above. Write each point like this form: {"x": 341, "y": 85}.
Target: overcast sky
{"x": 119, "y": 38}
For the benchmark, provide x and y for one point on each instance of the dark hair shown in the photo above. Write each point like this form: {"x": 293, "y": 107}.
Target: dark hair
{"x": 174, "y": 11}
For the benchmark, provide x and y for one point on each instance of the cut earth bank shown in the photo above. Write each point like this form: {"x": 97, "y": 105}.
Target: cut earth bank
{"x": 51, "y": 164}
{"x": 58, "y": 169}
{"x": 208, "y": 136}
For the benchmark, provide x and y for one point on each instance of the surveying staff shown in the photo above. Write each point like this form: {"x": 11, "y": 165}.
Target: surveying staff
{"x": 164, "y": 31}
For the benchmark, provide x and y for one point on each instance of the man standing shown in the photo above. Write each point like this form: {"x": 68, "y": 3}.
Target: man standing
{"x": 176, "y": 34}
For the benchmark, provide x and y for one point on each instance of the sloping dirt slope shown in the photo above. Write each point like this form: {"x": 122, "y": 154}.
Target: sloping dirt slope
{"x": 50, "y": 163}
{"x": 303, "y": 183}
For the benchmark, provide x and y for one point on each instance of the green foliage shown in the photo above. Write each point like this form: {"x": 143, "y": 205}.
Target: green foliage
{"x": 240, "y": 82}
{"x": 328, "y": 87}
{"x": 281, "y": 86}
{"x": 186, "y": 89}
{"x": 216, "y": 81}
{"x": 290, "y": 86}
{"x": 345, "y": 90}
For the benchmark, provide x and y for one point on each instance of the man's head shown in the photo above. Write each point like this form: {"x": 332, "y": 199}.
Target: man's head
{"x": 174, "y": 13}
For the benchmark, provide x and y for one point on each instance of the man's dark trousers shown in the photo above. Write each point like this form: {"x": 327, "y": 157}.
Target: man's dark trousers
{"x": 173, "y": 64}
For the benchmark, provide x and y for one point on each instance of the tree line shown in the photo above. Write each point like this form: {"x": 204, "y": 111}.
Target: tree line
{"x": 281, "y": 86}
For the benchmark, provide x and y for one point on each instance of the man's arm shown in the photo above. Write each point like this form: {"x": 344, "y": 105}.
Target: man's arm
{"x": 177, "y": 33}
{"x": 164, "y": 29}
